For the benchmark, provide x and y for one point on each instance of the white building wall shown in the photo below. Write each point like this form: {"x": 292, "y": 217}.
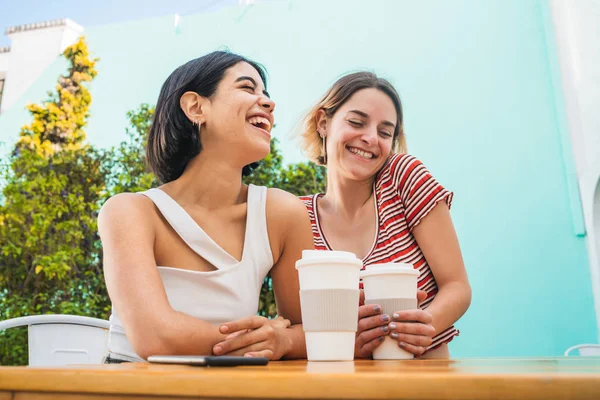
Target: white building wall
{"x": 34, "y": 47}
{"x": 577, "y": 32}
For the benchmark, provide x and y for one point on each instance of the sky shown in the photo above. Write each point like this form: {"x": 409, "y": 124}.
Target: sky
{"x": 90, "y": 13}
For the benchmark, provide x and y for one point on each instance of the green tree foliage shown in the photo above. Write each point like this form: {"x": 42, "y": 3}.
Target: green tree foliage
{"x": 49, "y": 253}
{"x": 54, "y": 184}
{"x": 127, "y": 163}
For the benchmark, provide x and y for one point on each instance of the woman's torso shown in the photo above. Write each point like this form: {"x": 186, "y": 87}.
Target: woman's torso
{"x": 230, "y": 291}
{"x": 393, "y": 241}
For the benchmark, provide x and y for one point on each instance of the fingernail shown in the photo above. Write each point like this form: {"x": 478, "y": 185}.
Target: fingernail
{"x": 385, "y": 328}
{"x": 392, "y": 326}
{"x": 385, "y": 318}
{"x": 377, "y": 309}
{"x": 224, "y": 328}
{"x": 217, "y": 349}
{"x": 394, "y": 335}
{"x": 381, "y": 338}
{"x": 401, "y": 344}
{"x": 248, "y": 355}
{"x": 395, "y": 316}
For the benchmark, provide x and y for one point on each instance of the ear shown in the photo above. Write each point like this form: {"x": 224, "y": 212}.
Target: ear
{"x": 192, "y": 105}
{"x": 321, "y": 121}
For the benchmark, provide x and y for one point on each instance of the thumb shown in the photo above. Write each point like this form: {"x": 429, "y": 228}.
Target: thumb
{"x": 361, "y": 298}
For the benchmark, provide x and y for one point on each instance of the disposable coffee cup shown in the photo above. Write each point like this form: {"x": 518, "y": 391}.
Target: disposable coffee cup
{"x": 394, "y": 287}
{"x": 329, "y": 298}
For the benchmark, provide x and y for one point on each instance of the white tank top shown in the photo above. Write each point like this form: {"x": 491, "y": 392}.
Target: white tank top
{"x": 230, "y": 292}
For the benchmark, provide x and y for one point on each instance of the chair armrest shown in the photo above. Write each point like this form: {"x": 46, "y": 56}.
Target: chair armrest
{"x": 54, "y": 319}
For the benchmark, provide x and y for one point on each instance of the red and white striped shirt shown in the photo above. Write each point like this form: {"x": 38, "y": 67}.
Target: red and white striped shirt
{"x": 405, "y": 193}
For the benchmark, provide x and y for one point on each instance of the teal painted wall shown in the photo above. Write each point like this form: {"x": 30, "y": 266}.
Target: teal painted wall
{"x": 477, "y": 85}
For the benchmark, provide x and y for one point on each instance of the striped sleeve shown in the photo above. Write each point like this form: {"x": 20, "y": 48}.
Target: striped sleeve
{"x": 418, "y": 190}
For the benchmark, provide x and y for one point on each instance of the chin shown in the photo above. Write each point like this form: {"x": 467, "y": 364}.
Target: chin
{"x": 357, "y": 173}
{"x": 256, "y": 153}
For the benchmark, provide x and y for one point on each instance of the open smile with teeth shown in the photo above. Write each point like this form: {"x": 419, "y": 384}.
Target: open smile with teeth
{"x": 361, "y": 153}
{"x": 260, "y": 122}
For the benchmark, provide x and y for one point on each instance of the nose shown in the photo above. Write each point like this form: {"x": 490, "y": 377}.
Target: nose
{"x": 266, "y": 103}
{"x": 370, "y": 137}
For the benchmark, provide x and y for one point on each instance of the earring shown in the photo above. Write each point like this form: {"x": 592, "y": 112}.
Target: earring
{"x": 324, "y": 149}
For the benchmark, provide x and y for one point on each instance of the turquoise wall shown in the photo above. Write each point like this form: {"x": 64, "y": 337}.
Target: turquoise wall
{"x": 478, "y": 84}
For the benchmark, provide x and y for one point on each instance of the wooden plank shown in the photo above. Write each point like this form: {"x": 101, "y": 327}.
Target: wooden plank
{"x": 6, "y": 396}
{"x": 82, "y": 396}
{"x": 557, "y": 378}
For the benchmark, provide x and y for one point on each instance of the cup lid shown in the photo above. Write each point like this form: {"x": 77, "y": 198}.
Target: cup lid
{"x": 389, "y": 269}
{"x": 312, "y": 257}
{"x": 307, "y": 254}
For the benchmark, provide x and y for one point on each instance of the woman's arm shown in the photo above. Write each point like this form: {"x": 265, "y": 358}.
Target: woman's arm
{"x": 437, "y": 239}
{"x": 415, "y": 329}
{"x": 297, "y": 236}
{"x": 289, "y": 233}
{"x": 152, "y": 326}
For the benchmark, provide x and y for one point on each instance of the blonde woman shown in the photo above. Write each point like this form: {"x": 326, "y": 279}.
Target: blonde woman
{"x": 383, "y": 205}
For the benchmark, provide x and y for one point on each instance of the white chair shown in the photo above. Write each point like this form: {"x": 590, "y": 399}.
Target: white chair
{"x": 58, "y": 340}
{"x": 586, "y": 350}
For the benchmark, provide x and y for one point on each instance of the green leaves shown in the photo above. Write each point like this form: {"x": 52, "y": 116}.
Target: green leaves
{"x": 51, "y": 197}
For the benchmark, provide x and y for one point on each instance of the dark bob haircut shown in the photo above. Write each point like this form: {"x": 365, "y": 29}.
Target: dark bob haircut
{"x": 173, "y": 140}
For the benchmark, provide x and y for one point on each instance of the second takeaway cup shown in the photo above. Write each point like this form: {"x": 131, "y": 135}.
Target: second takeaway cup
{"x": 394, "y": 287}
{"x": 329, "y": 298}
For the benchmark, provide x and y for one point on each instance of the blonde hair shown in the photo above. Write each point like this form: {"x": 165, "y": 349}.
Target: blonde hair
{"x": 310, "y": 140}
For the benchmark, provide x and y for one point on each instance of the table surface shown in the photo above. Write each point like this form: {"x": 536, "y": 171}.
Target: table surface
{"x": 492, "y": 378}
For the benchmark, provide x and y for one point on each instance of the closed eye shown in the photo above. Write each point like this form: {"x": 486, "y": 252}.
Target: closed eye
{"x": 250, "y": 88}
{"x": 355, "y": 123}
{"x": 384, "y": 133}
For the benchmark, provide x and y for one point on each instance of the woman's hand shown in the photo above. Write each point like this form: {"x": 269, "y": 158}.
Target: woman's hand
{"x": 373, "y": 326}
{"x": 413, "y": 329}
{"x": 255, "y": 337}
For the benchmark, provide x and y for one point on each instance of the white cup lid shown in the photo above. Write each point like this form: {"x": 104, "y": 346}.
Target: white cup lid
{"x": 389, "y": 269}
{"x": 308, "y": 254}
{"x": 312, "y": 257}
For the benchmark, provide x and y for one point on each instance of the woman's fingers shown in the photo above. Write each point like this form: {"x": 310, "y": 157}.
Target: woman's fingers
{"x": 238, "y": 333}
{"x": 264, "y": 353}
{"x": 412, "y": 328}
{"x": 367, "y": 323}
{"x": 413, "y": 315}
{"x": 368, "y": 310}
{"x": 369, "y": 347}
{"x": 253, "y": 348}
{"x": 240, "y": 341}
{"x": 415, "y": 340}
{"x": 416, "y": 350}
{"x": 253, "y": 322}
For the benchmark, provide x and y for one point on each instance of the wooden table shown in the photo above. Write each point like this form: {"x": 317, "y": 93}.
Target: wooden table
{"x": 545, "y": 378}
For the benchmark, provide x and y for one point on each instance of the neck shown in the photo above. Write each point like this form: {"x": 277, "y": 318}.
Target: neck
{"x": 346, "y": 197}
{"x": 208, "y": 182}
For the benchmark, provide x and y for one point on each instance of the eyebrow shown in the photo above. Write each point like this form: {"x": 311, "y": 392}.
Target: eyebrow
{"x": 365, "y": 115}
{"x": 251, "y": 79}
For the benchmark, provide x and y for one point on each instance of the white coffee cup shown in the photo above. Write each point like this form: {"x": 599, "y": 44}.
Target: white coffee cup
{"x": 394, "y": 287}
{"x": 329, "y": 297}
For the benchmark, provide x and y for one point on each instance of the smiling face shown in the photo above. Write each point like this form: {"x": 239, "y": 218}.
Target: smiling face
{"x": 360, "y": 134}
{"x": 239, "y": 116}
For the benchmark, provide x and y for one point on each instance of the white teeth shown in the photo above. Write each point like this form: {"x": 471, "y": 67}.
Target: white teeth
{"x": 360, "y": 153}
{"x": 260, "y": 120}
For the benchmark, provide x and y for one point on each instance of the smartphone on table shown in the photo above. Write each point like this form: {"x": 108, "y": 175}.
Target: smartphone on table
{"x": 209, "y": 361}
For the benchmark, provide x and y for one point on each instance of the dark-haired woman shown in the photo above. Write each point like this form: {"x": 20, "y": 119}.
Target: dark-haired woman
{"x": 184, "y": 262}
